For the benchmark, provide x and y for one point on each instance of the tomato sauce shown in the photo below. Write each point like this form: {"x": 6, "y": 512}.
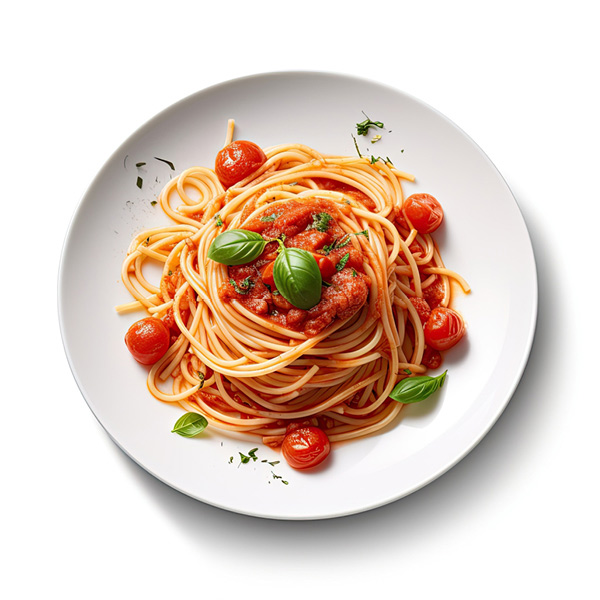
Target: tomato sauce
{"x": 311, "y": 226}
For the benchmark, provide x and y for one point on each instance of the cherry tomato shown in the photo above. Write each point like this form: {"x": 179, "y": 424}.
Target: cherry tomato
{"x": 325, "y": 264}
{"x": 305, "y": 447}
{"x": 238, "y": 160}
{"x": 266, "y": 274}
{"x": 148, "y": 340}
{"x": 444, "y": 328}
{"x": 424, "y": 212}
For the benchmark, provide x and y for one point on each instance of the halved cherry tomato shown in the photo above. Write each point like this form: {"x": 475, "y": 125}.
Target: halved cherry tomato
{"x": 148, "y": 340}
{"x": 444, "y": 328}
{"x": 238, "y": 160}
{"x": 424, "y": 212}
{"x": 266, "y": 274}
{"x": 305, "y": 447}
{"x": 326, "y": 265}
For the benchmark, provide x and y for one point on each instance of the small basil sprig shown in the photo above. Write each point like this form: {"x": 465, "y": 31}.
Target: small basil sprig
{"x": 236, "y": 247}
{"x": 416, "y": 389}
{"x": 190, "y": 425}
{"x": 297, "y": 276}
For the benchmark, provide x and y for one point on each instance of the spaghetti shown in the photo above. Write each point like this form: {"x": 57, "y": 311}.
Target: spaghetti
{"x": 243, "y": 356}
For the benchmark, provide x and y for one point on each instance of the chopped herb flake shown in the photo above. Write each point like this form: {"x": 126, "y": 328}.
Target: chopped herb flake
{"x": 219, "y": 220}
{"x": 363, "y": 127}
{"x": 356, "y": 146}
{"x": 139, "y": 182}
{"x": 140, "y": 164}
{"x": 201, "y": 378}
{"x": 375, "y": 139}
{"x": 320, "y": 222}
{"x": 168, "y": 162}
{"x": 244, "y": 287}
{"x": 335, "y": 244}
{"x": 342, "y": 262}
{"x": 363, "y": 232}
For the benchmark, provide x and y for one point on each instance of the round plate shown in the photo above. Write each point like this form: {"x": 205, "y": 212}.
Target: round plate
{"x": 483, "y": 237}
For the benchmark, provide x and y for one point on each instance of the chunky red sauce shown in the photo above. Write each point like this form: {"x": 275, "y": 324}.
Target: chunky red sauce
{"x": 348, "y": 285}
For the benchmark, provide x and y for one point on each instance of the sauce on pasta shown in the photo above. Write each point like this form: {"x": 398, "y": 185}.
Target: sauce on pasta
{"x": 247, "y": 358}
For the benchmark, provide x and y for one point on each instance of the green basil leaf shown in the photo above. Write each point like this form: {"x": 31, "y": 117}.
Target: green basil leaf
{"x": 297, "y": 277}
{"x": 236, "y": 247}
{"x": 190, "y": 424}
{"x": 416, "y": 389}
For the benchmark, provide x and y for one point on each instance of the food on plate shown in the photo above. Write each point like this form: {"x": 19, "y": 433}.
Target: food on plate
{"x": 298, "y": 291}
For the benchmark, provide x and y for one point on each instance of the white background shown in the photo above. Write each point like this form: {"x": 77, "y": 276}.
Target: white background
{"x": 517, "y": 518}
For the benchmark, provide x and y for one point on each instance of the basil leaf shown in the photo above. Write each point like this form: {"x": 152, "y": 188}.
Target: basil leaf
{"x": 416, "y": 389}
{"x": 297, "y": 277}
{"x": 190, "y": 425}
{"x": 236, "y": 247}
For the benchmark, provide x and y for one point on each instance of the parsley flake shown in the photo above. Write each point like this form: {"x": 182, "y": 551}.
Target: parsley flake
{"x": 363, "y": 127}
{"x": 201, "y": 378}
{"x": 320, "y": 222}
{"x": 244, "y": 286}
{"x": 342, "y": 262}
{"x": 168, "y": 162}
{"x": 336, "y": 244}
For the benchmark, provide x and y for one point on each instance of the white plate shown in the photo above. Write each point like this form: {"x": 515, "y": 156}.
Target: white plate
{"x": 484, "y": 238}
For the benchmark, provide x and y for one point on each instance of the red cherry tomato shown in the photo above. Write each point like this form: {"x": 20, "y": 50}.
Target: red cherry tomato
{"x": 305, "y": 447}
{"x": 238, "y": 160}
{"x": 266, "y": 274}
{"x": 325, "y": 264}
{"x": 148, "y": 340}
{"x": 424, "y": 212}
{"x": 444, "y": 328}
